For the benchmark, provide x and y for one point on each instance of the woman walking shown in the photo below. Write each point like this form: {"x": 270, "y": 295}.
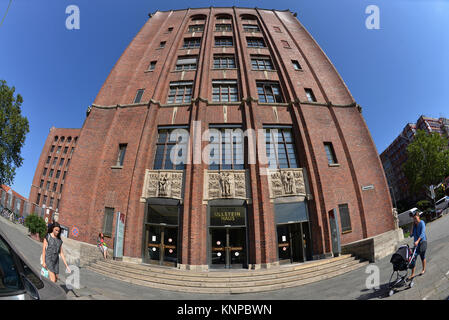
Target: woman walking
{"x": 102, "y": 245}
{"x": 51, "y": 250}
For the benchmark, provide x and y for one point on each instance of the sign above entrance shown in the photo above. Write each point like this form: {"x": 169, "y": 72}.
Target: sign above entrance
{"x": 227, "y": 216}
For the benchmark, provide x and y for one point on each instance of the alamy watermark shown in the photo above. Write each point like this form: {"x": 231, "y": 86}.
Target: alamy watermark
{"x": 72, "y": 22}
{"x": 373, "y": 20}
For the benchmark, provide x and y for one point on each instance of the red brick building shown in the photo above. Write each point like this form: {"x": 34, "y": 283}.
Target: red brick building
{"x": 198, "y": 76}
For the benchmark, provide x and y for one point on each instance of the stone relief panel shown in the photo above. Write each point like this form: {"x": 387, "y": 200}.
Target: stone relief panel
{"x": 286, "y": 182}
{"x": 225, "y": 184}
{"x": 163, "y": 183}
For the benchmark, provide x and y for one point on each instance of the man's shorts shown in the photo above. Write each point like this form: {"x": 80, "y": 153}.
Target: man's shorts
{"x": 422, "y": 247}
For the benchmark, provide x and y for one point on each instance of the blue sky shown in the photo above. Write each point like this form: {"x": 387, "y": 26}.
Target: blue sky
{"x": 396, "y": 73}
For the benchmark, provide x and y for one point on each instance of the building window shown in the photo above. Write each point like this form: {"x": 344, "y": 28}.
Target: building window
{"x": 261, "y": 63}
{"x": 310, "y": 95}
{"x": 222, "y": 17}
{"x": 251, "y": 28}
{"x": 269, "y": 92}
{"x": 226, "y": 149}
{"x": 180, "y": 92}
{"x": 52, "y": 148}
{"x": 69, "y": 139}
{"x": 48, "y": 160}
{"x": 224, "y": 91}
{"x": 60, "y": 188}
{"x": 285, "y": 44}
{"x": 186, "y": 63}
{"x": 65, "y": 150}
{"x": 223, "y": 27}
{"x": 44, "y": 202}
{"x": 277, "y": 29}
{"x": 54, "y": 186}
{"x": 38, "y": 199}
{"x": 162, "y": 44}
{"x": 223, "y": 42}
{"x": 170, "y": 29}
{"x": 296, "y": 65}
{"x": 51, "y": 202}
{"x": 330, "y": 153}
{"x": 255, "y": 42}
{"x": 58, "y": 173}
{"x": 345, "y": 218}
{"x": 59, "y": 150}
{"x": 139, "y": 95}
{"x": 152, "y": 65}
{"x": 63, "y": 176}
{"x": 56, "y": 138}
{"x": 50, "y": 175}
{"x": 196, "y": 28}
{"x": 224, "y": 62}
{"x": 41, "y": 184}
{"x": 71, "y": 151}
{"x": 108, "y": 221}
{"x": 62, "y": 139}
{"x": 61, "y": 162}
{"x": 68, "y": 163}
{"x": 47, "y": 187}
{"x": 192, "y": 43}
{"x": 54, "y": 161}
{"x": 121, "y": 154}
{"x": 45, "y": 172}
{"x": 167, "y": 140}
{"x": 280, "y": 148}
{"x": 57, "y": 203}
{"x": 198, "y": 17}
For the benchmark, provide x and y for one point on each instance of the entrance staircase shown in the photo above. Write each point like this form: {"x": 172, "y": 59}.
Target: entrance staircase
{"x": 233, "y": 281}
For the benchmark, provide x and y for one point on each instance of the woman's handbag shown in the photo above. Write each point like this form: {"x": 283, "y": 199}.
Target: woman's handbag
{"x": 44, "y": 272}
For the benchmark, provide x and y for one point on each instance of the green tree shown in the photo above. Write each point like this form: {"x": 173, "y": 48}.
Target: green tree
{"x": 13, "y": 129}
{"x": 428, "y": 160}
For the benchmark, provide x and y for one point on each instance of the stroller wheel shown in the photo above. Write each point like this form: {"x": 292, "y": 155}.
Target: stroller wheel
{"x": 391, "y": 292}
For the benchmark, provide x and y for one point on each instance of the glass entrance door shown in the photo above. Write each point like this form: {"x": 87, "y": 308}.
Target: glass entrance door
{"x": 162, "y": 245}
{"x": 228, "y": 248}
{"x": 293, "y": 242}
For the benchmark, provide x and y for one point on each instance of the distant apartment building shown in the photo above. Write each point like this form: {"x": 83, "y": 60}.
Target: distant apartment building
{"x": 13, "y": 201}
{"x": 52, "y": 168}
{"x": 395, "y": 156}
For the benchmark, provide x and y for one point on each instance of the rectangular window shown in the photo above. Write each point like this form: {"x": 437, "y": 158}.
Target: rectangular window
{"x": 60, "y": 188}
{"x": 58, "y": 173}
{"x": 44, "y": 201}
{"x": 52, "y": 148}
{"x": 186, "y": 63}
{"x": 170, "y": 29}
{"x": 63, "y": 176}
{"x": 108, "y": 221}
{"x": 196, "y": 28}
{"x": 65, "y": 150}
{"x": 280, "y": 148}
{"x": 38, "y": 199}
{"x": 226, "y": 148}
{"x": 251, "y": 28}
{"x": 269, "y": 92}
{"x": 50, "y": 175}
{"x": 162, "y": 44}
{"x": 224, "y": 62}
{"x": 41, "y": 184}
{"x": 59, "y": 150}
{"x": 345, "y": 219}
{"x": 54, "y": 186}
{"x": 47, "y": 187}
{"x": 167, "y": 140}
{"x": 223, "y": 27}
{"x": 121, "y": 154}
{"x": 139, "y": 95}
{"x": 223, "y": 42}
{"x": 255, "y": 42}
{"x": 285, "y": 44}
{"x": 180, "y": 92}
{"x": 310, "y": 95}
{"x": 57, "y": 203}
{"x": 71, "y": 151}
{"x": 51, "y": 202}
{"x": 61, "y": 162}
{"x": 45, "y": 172}
{"x": 192, "y": 43}
{"x": 54, "y": 161}
{"x": 152, "y": 65}
{"x": 261, "y": 63}
{"x": 68, "y": 163}
{"x": 296, "y": 65}
{"x": 224, "y": 91}
{"x": 330, "y": 153}
{"x": 48, "y": 160}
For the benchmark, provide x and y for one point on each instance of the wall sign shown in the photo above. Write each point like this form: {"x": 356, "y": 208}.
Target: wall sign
{"x": 369, "y": 187}
{"x": 221, "y": 216}
{"x": 75, "y": 232}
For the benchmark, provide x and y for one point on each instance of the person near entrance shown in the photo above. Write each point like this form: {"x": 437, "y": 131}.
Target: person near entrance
{"x": 51, "y": 250}
{"x": 102, "y": 245}
{"x": 420, "y": 241}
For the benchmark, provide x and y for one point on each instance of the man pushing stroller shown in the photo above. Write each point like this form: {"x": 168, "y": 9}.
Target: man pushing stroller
{"x": 418, "y": 231}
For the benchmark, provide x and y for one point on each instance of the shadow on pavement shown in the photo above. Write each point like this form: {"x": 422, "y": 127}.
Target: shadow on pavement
{"x": 380, "y": 293}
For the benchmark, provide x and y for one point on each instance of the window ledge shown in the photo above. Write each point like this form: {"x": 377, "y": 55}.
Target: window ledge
{"x": 218, "y": 103}
{"x": 148, "y": 71}
{"x": 334, "y": 164}
{"x": 116, "y": 167}
{"x": 271, "y": 70}
{"x": 348, "y": 231}
{"x": 224, "y": 69}
{"x": 174, "y": 71}
{"x": 223, "y": 46}
{"x": 273, "y": 104}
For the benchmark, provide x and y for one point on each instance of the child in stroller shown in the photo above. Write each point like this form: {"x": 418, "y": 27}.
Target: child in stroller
{"x": 402, "y": 260}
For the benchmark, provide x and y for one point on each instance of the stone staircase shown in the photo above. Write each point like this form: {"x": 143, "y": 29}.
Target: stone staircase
{"x": 231, "y": 282}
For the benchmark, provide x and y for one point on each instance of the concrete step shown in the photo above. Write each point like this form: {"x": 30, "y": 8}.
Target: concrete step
{"x": 249, "y": 277}
{"x": 183, "y": 287}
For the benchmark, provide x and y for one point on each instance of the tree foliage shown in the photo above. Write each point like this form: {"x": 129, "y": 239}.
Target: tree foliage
{"x": 428, "y": 160}
{"x": 13, "y": 129}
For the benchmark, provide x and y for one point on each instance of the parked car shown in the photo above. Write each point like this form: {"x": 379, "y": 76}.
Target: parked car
{"x": 406, "y": 217}
{"x": 19, "y": 280}
{"x": 442, "y": 205}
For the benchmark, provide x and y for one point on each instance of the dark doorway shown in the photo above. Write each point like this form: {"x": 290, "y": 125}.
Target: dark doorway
{"x": 228, "y": 247}
{"x": 293, "y": 242}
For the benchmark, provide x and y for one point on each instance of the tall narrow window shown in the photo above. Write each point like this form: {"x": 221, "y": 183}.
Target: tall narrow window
{"x": 167, "y": 140}
{"x": 52, "y": 148}
{"x": 330, "y": 153}
{"x": 63, "y": 176}
{"x": 59, "y": 150}
{"x": 54, "y": 161}
{"x": 139, "y": 95}
{"x": 108, "y": 221}
{"x": 55, "y": 185}
{"x": 44, "y": 201}
{"x": 44, "y": 172}
{"x": 47, "y": 187}
{"x": 269, "y": 92}
{"x": 345, "y": 218}
{"x": 224, "y": 91}
{"x": 58, "y": 173}
{"x": 180, "y": 92}
{"x": 310, "y": 95}
{"x": 121, "y": 154}
{"x": 61, "y": 162}
{"x": 65, "y": 150}
{"x": 280, "y": 148}
{"x": 226, "y": 148}
{"x": 48, "y": 160}
{"x": 41, "y": 184}
{"x": 38, "y": 199}
{"x": 50, "y": 175}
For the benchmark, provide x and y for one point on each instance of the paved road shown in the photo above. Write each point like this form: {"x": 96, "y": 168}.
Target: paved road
{"x": 433, "y": 285}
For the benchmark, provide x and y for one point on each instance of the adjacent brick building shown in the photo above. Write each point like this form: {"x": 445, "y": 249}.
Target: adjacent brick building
{"x": 224, "y": 69}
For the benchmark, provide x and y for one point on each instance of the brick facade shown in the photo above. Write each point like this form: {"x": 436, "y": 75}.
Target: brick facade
{"x": 96, "y": 182}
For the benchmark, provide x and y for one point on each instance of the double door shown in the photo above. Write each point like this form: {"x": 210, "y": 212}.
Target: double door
{"x": 293, "y": 242}
{"x": 162, "y": 245}
{"x": 228, "y": 247}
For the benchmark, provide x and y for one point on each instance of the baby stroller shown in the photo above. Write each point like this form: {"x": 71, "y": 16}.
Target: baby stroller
{"x": 402, "y": 260}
